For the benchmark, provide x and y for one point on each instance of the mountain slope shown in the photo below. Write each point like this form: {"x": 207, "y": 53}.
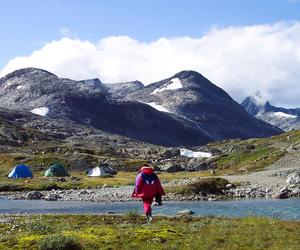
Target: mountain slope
{"x": 286, "y": 119}
{"x": 42, "y": 93}
{"x": 120, "y": 90}
{"x": 192, "y": 97}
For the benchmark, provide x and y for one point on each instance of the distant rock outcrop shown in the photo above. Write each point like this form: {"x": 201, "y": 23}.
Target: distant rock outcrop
{"x": 286, "y": 119}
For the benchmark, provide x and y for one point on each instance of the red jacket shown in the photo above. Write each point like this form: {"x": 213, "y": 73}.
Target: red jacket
{"x": 147, "y": 184}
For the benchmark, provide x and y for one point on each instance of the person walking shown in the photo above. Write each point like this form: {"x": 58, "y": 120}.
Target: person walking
{"x": 148, "y": 187}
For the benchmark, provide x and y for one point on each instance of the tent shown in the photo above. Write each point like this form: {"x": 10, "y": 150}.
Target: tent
{"x": 20, "y": 171}
{"x": 109, "y": 170}
{"x": 56, "y": 169}
{"x": 97, "y": 171}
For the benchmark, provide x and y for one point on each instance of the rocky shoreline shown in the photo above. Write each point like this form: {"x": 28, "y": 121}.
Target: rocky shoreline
{"x": 123, "y": 193}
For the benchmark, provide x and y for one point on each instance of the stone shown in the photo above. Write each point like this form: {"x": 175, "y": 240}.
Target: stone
{"x": 250, "y": 146}
{"x": 185, "y": 212}
{"x": 170, "y": 167}
{"x": 34, "y": 195}
{"x": 229, "y": 186}
{"x": 293, "y": 179}
{"x": 170, "y": 153}
{"x": 61, "y": 179}
{"x": 51, "y": 197}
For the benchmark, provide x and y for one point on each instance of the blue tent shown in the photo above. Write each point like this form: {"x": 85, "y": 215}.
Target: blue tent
{"x": 20, "y": 171}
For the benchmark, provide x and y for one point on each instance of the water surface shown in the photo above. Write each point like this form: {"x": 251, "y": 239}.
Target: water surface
{"x": 288, "y": 209}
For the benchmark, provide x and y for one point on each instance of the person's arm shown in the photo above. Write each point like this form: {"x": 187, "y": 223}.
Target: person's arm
{"x": 139, "y": 183}
{"x": 159, "y": 188}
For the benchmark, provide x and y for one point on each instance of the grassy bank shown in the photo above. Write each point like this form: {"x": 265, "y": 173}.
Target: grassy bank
{"x": 122, "y": 178}
{"x": 131, "y": 232}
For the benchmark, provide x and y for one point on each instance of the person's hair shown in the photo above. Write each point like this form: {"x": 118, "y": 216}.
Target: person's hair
{"x": 146, "y": 165}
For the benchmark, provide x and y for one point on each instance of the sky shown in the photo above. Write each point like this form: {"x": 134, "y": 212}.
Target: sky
{"x": 243, "y": 46}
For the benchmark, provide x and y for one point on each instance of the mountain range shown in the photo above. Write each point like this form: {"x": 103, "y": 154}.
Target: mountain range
{"x": 185, "y": 109}
{"x": 286, "y": 119}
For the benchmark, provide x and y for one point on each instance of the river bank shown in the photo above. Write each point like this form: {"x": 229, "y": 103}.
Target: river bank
{"x": 123, "y": 194}
{"x": 132, "y": 232}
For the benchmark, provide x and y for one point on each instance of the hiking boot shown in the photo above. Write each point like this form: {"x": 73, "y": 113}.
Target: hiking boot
{"x": 149, "y": 218}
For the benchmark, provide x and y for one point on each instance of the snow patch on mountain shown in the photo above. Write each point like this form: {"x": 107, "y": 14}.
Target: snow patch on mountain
{"x": 20, "y": 87}
{"x": 42, "y": 111}
{"x": 284, "y": 115}
{"x": 158, "y": 107}
{"x": 194, "y": 154}
{"x": 174, "y": 83}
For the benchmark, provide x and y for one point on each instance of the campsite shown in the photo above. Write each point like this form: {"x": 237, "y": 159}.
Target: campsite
{"x": 129, "y": 124}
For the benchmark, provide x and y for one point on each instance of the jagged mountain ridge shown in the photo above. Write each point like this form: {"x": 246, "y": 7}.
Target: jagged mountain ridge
{"x": 192, "y": 97}
{"x": 122, "y": 89}
{"x": 82, "y": 102}
{"x": 195, "y": 110}
{"x": 286, "y": 119}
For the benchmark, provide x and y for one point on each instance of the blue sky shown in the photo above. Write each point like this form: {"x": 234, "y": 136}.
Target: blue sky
{"x": 243, "y": 46}
{"x": 26, "y": 25}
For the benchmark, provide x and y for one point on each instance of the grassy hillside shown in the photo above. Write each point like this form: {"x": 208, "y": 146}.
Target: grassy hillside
{"x": 240, "y": 156}
{"x": 39, "y": 151}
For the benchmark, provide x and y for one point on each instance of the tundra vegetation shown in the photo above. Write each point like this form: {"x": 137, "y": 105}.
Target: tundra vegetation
{"x": 131, "y": 232}
{"x": 235, "y": 157}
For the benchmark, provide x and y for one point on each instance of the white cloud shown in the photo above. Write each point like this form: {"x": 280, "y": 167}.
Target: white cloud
{"x": 241, "y": 60}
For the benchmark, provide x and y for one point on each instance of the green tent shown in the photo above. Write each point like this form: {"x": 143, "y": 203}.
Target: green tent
{"x": 56, "y": 169}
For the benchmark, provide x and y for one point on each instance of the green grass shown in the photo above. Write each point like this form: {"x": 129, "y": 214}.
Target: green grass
{"x": 131, "y": 232}
{"x": 241, "y": 159}
{"x": 248, "y": 160}
{"x": 205, "y": 186}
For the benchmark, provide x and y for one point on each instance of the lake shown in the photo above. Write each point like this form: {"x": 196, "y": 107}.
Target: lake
{"x": 288, "y": 209}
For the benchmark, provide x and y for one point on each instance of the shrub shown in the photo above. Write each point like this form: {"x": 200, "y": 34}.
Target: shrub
{"x": 206, "y": 186}
{"x": 38, "y": 227}
{"x": 10, "y": 187}
{"x": 48, "y": 186}
{"x": 59, "y": 242}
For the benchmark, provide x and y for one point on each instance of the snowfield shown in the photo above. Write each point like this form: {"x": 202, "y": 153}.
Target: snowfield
{"x": 43, "y": 111}
{"x": 20, "y": 87}
{"x": 194, "y": 154}
{"x": 158, "y": 107}
{"x": 175, "y": 83}
{"x": 284, "y": 115}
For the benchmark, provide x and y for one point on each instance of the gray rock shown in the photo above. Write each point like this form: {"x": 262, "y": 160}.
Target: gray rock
{"x": 170, "y": 167}
{"x": 170, "y": 153}
{"x": 293, "y": 179}
{"x": 185, "y": 212}
{"x": 51, "y": 197}
{"x": 34, "y": 195}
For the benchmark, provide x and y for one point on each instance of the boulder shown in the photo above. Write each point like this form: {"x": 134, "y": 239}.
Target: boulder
{"x": 196, "y": 165}
{"x": 51, "y": 197}
{"x": 34, "y": 195}
{"x": 283, "y": 193}
{"x": 170, "y": 167}
{"x": 185, "y": 212}
{"x": 293, "y": 179}
{"x": 170, "y": 153}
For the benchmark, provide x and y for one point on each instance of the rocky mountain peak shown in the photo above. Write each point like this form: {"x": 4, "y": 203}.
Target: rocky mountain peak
{"x": 122, "y": 89}
{"x": 286, "y": 119}
{"x": 255, "y": 104}
{"x": 94, "y": 82}
{"x": 188, "y": 74}
{"x": 29, "y": 73}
